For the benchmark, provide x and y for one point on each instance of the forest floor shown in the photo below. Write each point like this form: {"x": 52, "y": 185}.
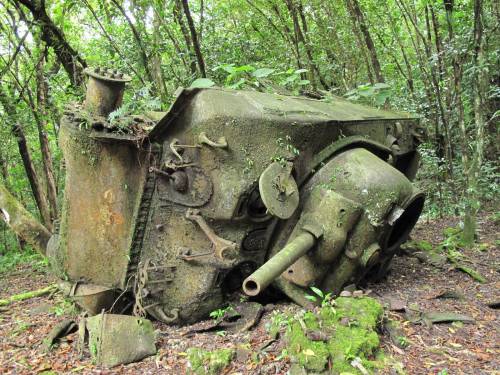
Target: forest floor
{"x": 452, "y": 348}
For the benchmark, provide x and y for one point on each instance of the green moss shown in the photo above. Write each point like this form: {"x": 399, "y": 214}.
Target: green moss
{"x": 209, "y": 362}
{"x": 351, "y": 324}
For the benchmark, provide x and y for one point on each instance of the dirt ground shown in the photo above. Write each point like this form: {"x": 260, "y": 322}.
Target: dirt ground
{"x": 440, "y": 349}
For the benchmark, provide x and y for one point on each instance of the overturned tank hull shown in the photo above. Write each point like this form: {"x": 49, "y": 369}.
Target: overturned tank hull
{"x": 230, "y": 190}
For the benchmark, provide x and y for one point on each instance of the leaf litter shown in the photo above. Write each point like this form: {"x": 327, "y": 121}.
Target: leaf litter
{"x": 442, "y": 348}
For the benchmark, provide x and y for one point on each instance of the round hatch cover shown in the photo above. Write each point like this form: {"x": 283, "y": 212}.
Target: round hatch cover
{"x": 278, "y": 190}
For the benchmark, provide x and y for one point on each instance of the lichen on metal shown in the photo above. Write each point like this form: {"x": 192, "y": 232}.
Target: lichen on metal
{"x": 227, "y": 183}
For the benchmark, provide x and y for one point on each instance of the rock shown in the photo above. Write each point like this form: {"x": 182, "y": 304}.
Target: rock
{"x": 396, "y": 304}
{"x": 345, "y": 293}
{"x": 317, "y": 335}
{"x": 353, "y": 325}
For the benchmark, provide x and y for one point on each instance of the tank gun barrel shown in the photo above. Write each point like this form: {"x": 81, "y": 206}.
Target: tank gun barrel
{"x": 276, "y": 265}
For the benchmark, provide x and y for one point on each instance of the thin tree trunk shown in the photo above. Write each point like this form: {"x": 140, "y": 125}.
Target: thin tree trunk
{"x": 194, "y": 38}
{"x": 202, "y": 20}
{"x": 361, "y": 45}
{"x": 22, "y": 145}
{"x": 156, "y": 59}
{"x": 480, "y": 86}
{"x": 293, "y": 40}
{"x": 48, "y": 168}
{"x": 112, "y": 43}
{"x": 177, "y": 48}
{"x": 442, "y": 143}
{"x": 304, "y": 38}
{"x": 269, "y": 20}
{"x": 138, "y": 40}
{"x": 33, "y": 179}
{"x": 358, "y": 15}
{"x": 72, "y": 62}
{"x": 457, "y": 85}
{"x": 185, "y": 34}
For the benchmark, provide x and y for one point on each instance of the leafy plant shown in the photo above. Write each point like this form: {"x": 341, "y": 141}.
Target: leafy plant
{"x": 326, "y": 299}
{"x": 12, "y": 259}
{"x": 141, "y": 101}
{"x": 65, "y": 307}
{"x": 376, "y": 94}
{"x": 292, "y": 78}
{"x": 202, "y": 83}
{"x": 219, "y": 313}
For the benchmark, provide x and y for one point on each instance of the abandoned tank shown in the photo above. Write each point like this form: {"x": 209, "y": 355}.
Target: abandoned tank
{"x": 228, "y": 190}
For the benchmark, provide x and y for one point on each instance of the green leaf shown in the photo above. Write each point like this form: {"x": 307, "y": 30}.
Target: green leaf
{"x": 238, "y": 84}
{"x": 303, "y": 82}
{"x": 289, "y": 79}
{"x": 202, "y": 83}
{"x": 367, "y": 92}
{"x": 311, "y": 298}
{"x": 298, "y": 71}
{"x": 263, "y": 72}
{"x": 317, "y": 291}
{"x": 381, "y": 97}
{"x": 229, "y": 68}
{"x": 244, "y": 68}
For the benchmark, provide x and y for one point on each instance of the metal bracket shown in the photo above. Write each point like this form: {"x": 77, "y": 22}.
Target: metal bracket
{"x": 175, "y": 146}
{"x": 203, "y": 139}
{"x": 221, "y": 245}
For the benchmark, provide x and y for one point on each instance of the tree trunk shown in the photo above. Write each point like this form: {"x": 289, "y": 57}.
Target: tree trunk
{"x": 293, "y": 40}
{"x": 142, "y": 49}
{"x": 194, "y": 37}
{"x": 185, "y": 34}
{"x": 112, "y": 43}
{"x": 22, "y": 145}
{"x": 457, "y": 86}
{"x": 480, "y": 86}
{"x": 358, "y": 15}
{"x": 53, "y": 36}
{"x": 22, "y": 222}
{"x": 156, "y": 59}
{"x": 296, "y": 10}
{"x": 48, "y": 168}
{"x": 36, "y": 189}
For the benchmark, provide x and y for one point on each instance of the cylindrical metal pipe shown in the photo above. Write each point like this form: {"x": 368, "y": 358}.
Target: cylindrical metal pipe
{"x": 275, "y": 266}
{"x": 104, "y": 90}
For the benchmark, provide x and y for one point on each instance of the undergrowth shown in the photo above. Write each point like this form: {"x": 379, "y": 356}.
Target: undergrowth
{"x": 13, "y": 258}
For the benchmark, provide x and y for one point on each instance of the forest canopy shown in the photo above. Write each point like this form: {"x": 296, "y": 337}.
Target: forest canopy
{"x": 436, "y": 59}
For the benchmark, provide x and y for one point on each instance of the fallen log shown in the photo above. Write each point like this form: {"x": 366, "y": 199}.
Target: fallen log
{"x": 27, "y": 295}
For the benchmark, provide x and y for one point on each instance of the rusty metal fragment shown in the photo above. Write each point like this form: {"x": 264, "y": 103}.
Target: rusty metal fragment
{"x": 119, "y": 339}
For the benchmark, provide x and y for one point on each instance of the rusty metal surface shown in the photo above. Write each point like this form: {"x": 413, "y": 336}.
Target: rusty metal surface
{"x": 103, "y": 185}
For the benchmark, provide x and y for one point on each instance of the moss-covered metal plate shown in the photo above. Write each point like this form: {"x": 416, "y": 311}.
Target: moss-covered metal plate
{"x": 278, "y": 190}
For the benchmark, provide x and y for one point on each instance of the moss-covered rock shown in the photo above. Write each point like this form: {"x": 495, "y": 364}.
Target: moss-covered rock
{"x": 209, "y": 362}
{"x": 348, "y": 330}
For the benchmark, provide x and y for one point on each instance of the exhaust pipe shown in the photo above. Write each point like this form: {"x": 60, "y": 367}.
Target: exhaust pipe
{"x": 104, "y": 90}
